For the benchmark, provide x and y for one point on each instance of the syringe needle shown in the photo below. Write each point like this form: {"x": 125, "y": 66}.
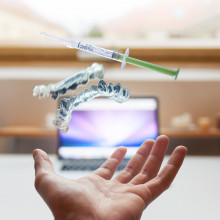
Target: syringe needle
{"x": 68, "y": 43}
{"x": 54, "y": 38}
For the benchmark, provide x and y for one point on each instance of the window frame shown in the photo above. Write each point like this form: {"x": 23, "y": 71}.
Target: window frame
{"x": 47, "y": 55}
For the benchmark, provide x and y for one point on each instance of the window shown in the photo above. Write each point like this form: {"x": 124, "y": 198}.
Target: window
{"x": 139, "y": 24}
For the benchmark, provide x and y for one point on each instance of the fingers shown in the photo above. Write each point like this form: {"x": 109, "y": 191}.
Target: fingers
{"x": 108, "y": 169}
{"x": 167, "y": 174}
{"x": 136, "y": 163}
{"x": 154, "y": 160}
{"x": 47, "y": 183}
{"x": 43, "y": 169}
{"x": 42, "y": 163}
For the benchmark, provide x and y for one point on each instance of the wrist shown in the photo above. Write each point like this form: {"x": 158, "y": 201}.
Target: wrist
{"x": 76, "y": 216}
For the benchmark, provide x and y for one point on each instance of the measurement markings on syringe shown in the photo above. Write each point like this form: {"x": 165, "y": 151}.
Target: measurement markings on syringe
{"x": 96, "y": 50}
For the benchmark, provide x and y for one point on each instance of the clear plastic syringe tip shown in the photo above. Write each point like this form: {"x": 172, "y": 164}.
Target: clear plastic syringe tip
{"x": 67, "y": 43}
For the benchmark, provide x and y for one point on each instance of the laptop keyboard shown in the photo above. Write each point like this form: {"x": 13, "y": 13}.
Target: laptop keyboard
{"x": 88, "y": 164}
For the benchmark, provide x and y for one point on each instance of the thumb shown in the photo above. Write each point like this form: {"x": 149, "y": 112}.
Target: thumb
{"x": 42, "y": 163}
{"x": 43, "y": 170}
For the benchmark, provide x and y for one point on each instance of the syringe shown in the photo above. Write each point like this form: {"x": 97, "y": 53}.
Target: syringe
{"x": 123, "y": 58}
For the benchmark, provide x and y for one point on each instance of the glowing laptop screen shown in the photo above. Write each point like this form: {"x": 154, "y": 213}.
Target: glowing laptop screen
{"x": 99, "y": 126}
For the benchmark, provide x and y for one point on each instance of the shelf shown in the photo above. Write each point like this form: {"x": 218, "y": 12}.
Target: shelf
{"x": 173, "y": 133}
{"x": 26, "y": 131}
{"x": 210, "y": 74}
{"x": 32, "y": 131}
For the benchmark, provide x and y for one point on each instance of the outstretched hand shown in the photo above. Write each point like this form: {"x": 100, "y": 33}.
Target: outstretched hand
{"x": 98, "y": 195}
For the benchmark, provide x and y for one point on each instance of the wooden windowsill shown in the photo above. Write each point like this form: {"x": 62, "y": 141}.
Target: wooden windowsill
{"x": 26, "y": 131}
{"x": 174, "y": 133}
{"x": 32, "y": 131}
{"x": 61, "y": 56}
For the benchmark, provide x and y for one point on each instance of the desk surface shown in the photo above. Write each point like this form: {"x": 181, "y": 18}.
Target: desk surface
{"x": 195, "y": 194}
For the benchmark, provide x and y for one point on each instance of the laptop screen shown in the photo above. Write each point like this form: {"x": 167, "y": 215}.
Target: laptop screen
{"x": 101, "y": 125}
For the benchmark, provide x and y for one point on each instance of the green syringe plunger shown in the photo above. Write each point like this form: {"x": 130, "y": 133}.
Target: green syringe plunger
{"x": 152, "y": 66}
{"x": 124, "y": 58}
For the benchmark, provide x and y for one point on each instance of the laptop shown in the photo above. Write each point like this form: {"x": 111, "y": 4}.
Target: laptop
{"x": 101, "y": 125}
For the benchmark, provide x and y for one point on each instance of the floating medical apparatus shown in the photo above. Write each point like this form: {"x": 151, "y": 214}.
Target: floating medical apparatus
{"x": 113, "y": 55}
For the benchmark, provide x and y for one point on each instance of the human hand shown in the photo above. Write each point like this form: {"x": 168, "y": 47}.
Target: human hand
{"x": 98, "y": 195}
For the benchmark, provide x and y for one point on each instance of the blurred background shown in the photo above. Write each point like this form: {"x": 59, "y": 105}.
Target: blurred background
{"x": 181, "y": 34}
{"x": 177, "y": 34}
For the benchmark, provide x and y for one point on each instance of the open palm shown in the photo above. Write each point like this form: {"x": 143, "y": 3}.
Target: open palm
{"x": 98, "y": 195}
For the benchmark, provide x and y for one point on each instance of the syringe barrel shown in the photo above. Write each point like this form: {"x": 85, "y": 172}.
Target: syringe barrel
{"x": 96, "y": 50}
